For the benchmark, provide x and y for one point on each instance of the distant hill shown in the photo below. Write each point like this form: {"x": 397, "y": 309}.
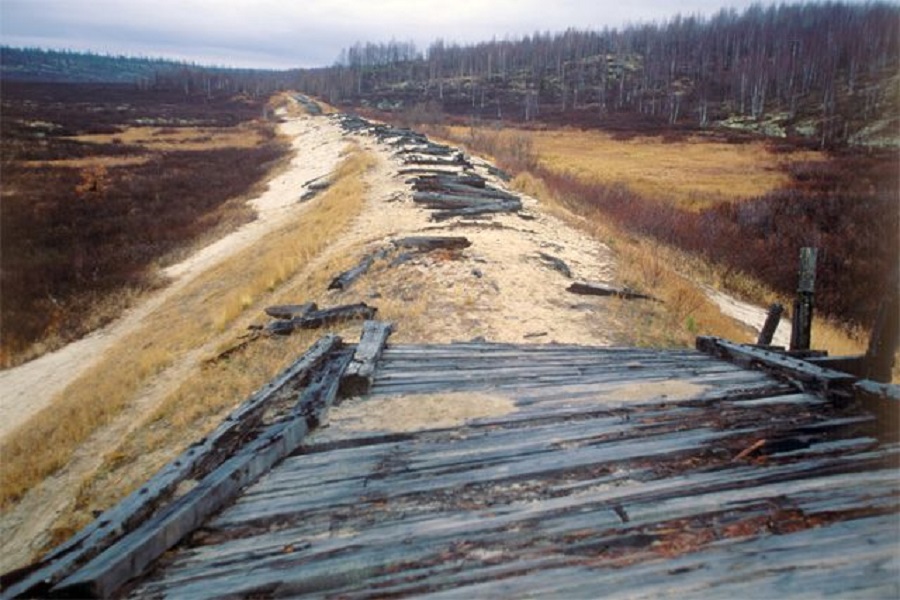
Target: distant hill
{"x": 56, "y": 66}
{"x": 33, "y": 64}
{"x": 826, "y": 72}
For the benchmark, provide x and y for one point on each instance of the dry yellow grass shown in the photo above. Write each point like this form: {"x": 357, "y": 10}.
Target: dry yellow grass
{"x": 671, "y": 275}
{"x": 695, "y": 173}
{"x": 684, "y": 312}
{"x": 93, "y": 161}
{"x": 679, "y": 172}
{"x": 183, "y": 323}
{"x": 276, "y": 270}
{"x": 162, "y": 139}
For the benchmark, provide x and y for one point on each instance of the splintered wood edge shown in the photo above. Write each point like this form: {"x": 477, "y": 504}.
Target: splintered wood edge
{"x": 130, "y": 556}
{"x": 357, "y": 379}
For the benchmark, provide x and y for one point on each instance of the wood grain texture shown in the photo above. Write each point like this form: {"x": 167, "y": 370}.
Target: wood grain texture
{"x": 622, "y": 472}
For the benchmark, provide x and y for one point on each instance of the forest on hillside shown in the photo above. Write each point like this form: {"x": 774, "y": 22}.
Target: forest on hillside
{"x": 825, "y": 71}
{"x": 152, "y": 74}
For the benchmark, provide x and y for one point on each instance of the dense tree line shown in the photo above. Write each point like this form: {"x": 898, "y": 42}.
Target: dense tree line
{"x": 38, "y": 65}
{"x": 822, "y": 63}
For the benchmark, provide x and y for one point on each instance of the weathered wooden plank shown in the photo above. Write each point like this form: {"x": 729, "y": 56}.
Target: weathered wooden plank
{"x": 437, "y": 192}
{"x": 435, "y": 181}
{"x": 129, "y": 557}
{"x": 290, "y": 311}
{"x": 602, "y": 378}
{"x": 411, "y": 539}
{"x": 773, "y": 316}
{"x": 195, "y": 462}
{"x": 885, "y": 336}
{"x": 883, "y": 399}
{"x": 557, "y": 264}
{"x": 809, "y": 376}
{"x": 483, "y": 209}
{"x": 428, "y": 148}
{"x": 801, "y": 319}
{"x": 427, "y": 171}
{"x": 457, "y": 160}
{"x": 854, "y": 365}
{"x": 346, "y": 279}
{"x": 357, "y": 379}
{"x": 599, "y": 289}
{"x": 320, "y": 318}
{"x": 429, "y": 243}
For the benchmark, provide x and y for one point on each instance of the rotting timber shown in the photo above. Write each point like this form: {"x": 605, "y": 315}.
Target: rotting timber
{"x": 633, "y": 472}
{"x": 728, "y": 470}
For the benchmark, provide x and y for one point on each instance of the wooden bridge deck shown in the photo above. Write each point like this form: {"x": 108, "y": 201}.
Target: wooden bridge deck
{"x": 596, "y": 472}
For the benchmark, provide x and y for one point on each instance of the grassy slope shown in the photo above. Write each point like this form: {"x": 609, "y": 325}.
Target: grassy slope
{"x": 207, "y": 310}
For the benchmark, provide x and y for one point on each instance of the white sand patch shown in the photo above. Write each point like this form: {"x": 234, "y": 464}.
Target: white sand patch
{"x": 654, "y": 390}
{"x": 752, "y": 316}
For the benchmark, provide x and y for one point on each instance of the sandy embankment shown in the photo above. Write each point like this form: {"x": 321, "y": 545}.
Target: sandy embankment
{"x": 26, "y": 389}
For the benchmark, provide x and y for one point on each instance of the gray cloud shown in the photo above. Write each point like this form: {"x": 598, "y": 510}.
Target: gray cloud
{"x": 285, "y": 34}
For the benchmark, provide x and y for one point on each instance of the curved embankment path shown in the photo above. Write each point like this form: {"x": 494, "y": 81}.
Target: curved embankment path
{"x": 499, "y": 289}
{"x": 26, "y": 389}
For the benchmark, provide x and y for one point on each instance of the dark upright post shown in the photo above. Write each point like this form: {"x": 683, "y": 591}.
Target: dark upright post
{"x": 883, "y": 342}
{"x": 803, "y": 305}
{"x": 772, "y": 319}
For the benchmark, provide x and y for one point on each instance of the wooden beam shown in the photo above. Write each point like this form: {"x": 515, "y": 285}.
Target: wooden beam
{"x": 195, "y": 462}
{"x": 429, "y": 243}
{"x": 884, "y": 400}
{"x": 358, "y": 377}
{"x": 885, "y": 338}
{"x": 320, "y": 318}
{"x": 803, "y": 305}
{"x": 557, "y": 264}
{"x": 290, "y": 311}
{"x": 768, "y": 329}
{"x": 599, "y": 289}
{"x": 501, "y": 206}
{"x": 807, "y": 376}
{"x": 854, "y": 365}
{"x": 134, "y": 553}
{"x": 346, "y": 279}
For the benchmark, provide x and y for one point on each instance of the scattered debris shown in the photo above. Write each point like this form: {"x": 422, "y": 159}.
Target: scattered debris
{"x": 557, "y": 264}
{"x": 357, "y": 379}
{"x": 535, "y": 334}
{"x": 345, "y": 279}
{"x": 311, "y": 106}
{"x": 319, "y": 318}
{"x": 598, "y": 289}
{"x": 429, "y": 243}
{"x": 314, "y": 186}
{"x": 750, "y": 449}
{"x": 290, "y": 311}
{"x": 454, "y": 193}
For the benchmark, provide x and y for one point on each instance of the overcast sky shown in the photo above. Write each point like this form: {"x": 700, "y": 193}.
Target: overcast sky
{"x": 305, "y": 33}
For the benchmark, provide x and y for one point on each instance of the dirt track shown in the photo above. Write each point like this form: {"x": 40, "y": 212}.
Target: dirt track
{"x": 30, "y": 387}
{"x": 499, "y": 289}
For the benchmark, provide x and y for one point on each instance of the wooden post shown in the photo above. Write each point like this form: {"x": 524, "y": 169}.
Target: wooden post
{"x": 883, "y": 342}
{"x": 803, "y": 305}
{"x": 771, "y": 324}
